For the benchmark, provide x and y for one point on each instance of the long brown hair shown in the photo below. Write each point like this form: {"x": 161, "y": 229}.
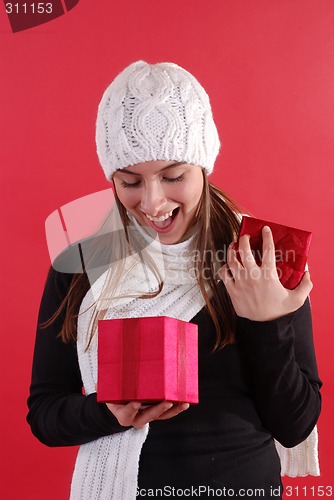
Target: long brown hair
{"x": 217, "y": 222}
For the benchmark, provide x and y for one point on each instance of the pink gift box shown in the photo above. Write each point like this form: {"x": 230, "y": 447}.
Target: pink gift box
{"x": 147, "y": 359}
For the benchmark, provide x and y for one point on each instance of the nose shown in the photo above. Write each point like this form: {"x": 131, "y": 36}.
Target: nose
{"x": 153, "y": 198}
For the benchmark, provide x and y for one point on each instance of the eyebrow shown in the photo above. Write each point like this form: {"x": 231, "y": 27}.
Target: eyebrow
{"x": 126, "y": 171}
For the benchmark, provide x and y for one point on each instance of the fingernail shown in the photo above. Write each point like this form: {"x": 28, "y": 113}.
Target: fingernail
{"x": 266, "y": 229}
{"x": 136, "y": 406}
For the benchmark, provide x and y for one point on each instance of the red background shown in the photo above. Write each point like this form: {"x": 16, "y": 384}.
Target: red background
{"x": 268, "y": 66}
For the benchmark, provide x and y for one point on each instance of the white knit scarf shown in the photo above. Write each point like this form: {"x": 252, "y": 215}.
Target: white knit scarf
{"x": 107, "y": 468}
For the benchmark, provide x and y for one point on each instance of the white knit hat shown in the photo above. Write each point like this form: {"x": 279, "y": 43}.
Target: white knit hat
{"x": 155, "y": 112}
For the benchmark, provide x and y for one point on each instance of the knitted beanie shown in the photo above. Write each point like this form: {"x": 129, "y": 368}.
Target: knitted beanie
{"x": 155, "y": 112}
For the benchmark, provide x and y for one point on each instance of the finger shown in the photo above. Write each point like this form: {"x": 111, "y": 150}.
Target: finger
{"x": 125, "y": 414}
{"x": 245, "y": 252}
{"x": 226, "y": 276}
{"x": 268, "y": 248}
{"x": 305, "y": 286}
{"x": 175, "y": 410}
{"x": 233, "y": 263}
{"x": 151, "y": 413}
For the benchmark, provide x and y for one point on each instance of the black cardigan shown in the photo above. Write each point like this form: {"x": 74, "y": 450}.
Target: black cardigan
{"x": 264, "y": 386}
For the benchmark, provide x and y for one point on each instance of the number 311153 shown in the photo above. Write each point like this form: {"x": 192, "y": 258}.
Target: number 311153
{"x": 309, "y": 491}
{"x": 29, "y": 8}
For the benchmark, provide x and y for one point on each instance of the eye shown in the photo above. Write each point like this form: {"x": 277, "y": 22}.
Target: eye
{"x": 174, "y": 179}
{"x": 130, "y": 184}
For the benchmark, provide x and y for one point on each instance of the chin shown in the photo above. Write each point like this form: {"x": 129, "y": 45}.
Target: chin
{"x": 171, "y": 239}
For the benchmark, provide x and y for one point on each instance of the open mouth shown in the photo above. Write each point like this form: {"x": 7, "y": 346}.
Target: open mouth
{"x": 166, "y": 224}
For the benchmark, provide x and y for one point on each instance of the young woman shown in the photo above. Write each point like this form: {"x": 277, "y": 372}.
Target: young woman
{"x": 167, "y": 249}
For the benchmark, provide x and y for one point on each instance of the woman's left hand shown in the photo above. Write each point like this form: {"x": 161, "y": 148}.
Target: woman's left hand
{"x": 255, "y": 291}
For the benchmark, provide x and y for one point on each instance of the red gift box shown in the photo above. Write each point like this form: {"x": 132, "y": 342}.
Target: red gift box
{"x": 291, "y": 248}
{"x": 147, "y": 359}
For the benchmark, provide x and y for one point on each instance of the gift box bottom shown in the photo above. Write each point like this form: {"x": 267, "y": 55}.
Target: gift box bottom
{"x": 148, "y": 360}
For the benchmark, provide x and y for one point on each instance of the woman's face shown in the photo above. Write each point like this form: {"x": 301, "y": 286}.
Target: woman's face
{"x": 161, "y": 195}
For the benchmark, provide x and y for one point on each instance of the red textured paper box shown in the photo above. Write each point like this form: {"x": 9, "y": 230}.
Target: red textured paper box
{"x": 147, "y": 359}
{"x": 291, "y": 248}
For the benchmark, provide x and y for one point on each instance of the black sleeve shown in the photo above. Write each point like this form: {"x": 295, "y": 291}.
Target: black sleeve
{"x": 59, "y": 414}
{"x": 281, "y": 365}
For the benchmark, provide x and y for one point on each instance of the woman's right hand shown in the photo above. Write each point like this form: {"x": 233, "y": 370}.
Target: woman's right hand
{"x": 138, "y": 415}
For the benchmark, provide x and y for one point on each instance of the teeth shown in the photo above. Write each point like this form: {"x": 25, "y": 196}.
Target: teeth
{"x": 161, "y": 218}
